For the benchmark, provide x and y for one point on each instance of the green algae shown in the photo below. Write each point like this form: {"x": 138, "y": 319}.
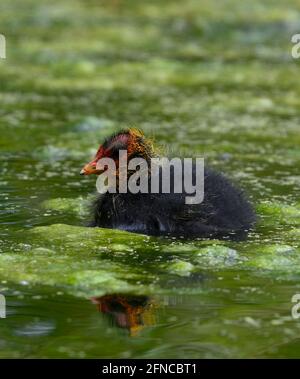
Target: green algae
{"x": 72, "y": 260}
{"x": 295, "y": 232}
{"x": 78, "y": 206}
{"x": 276, "y": 258}
{"x": 180, "y": 268}
{"x": 218, "y": 257}
{"x": 276, "y": 212}
{"x": 84, "y": 277}
{"x": 86, "y": 261}
{"x": 84, "y": 243}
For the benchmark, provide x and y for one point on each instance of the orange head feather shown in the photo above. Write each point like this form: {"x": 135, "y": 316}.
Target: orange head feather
{"x": 131, "y": 139}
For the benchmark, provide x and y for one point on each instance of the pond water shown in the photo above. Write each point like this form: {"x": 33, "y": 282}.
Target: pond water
{"x": 203, "y": 81}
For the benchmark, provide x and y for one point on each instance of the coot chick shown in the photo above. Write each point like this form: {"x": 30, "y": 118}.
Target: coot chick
{"x": 224, "y": 212}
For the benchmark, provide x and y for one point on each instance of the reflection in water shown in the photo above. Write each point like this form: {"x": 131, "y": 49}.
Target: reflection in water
{"x": 132, "y": 312}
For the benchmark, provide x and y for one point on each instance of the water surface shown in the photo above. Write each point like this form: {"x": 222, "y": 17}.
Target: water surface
{"x": 204, "y": 79}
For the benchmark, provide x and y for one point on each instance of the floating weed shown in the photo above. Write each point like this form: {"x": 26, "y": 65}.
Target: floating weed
{"x": 78, "y": 206}
{"x": 218, "y": 257}
{"x": 52, "y": 153}
{"x": 179, "y": 267}
{"x": 275, "y": 258}
{"x": 93, "y": 124}
{"x": 70, "y": 257}
{"x": 294, "y": 232}
{"x": 279, "y": 213}
{"x": 81, "y": 277}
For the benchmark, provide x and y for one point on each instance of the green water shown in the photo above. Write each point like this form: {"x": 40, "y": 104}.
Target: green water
{"x": 210, "y": 78}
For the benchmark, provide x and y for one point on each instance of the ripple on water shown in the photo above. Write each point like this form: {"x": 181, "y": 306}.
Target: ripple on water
{"x": 36, "y": 329}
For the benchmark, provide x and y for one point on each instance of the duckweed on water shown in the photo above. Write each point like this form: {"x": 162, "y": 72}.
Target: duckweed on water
{"x": 280, "y": 213}
{"x": 181, "y": 268}
{"x": 72, "y": 260}
{"x": 217, "y": 257}
{"x": 78, "y": 206}
{"x": 82, "y": 261}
